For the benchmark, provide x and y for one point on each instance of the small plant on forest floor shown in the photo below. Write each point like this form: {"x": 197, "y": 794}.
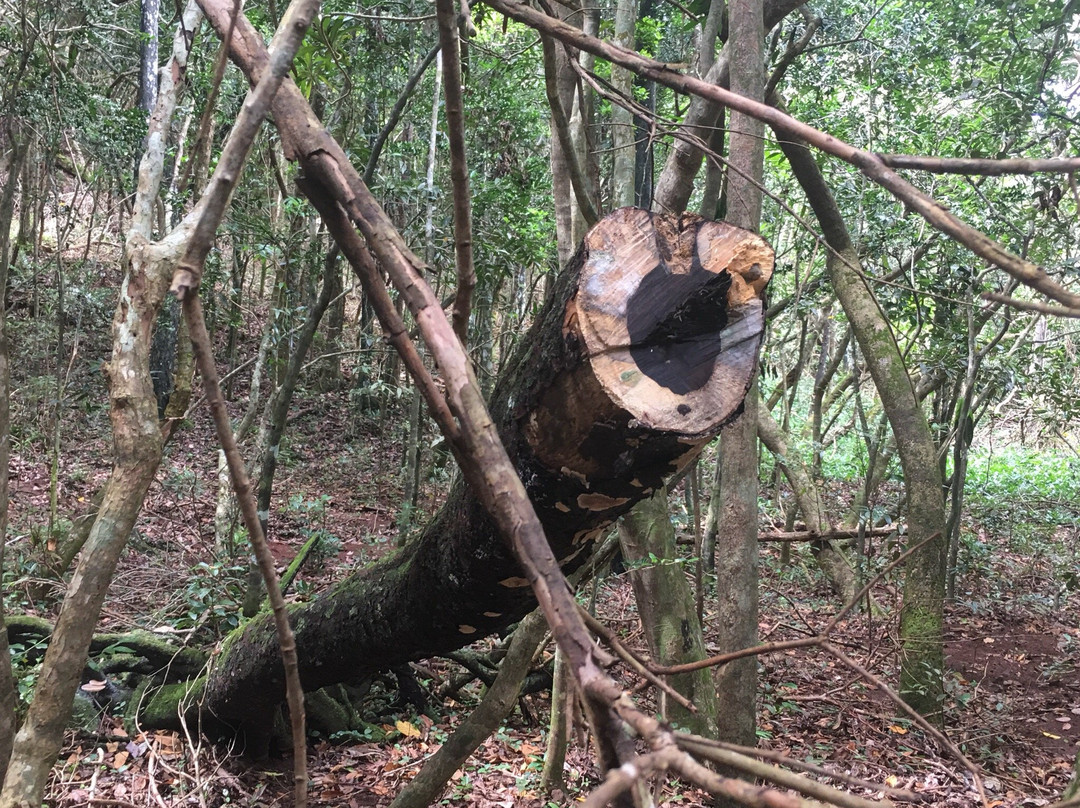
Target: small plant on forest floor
{"x": 26, "y": 666}
{"x": 775, "y": 699}
{"x": 212, "y": 597}
{"x": 315, "y": 512}
{"x": 183, "y": 483}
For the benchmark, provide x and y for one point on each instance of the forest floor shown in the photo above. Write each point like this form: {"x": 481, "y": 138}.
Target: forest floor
{"x": 1013, "y": 703}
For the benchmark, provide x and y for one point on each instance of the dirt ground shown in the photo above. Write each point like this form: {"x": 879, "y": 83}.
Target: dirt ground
{"x": 1013, "y": 649}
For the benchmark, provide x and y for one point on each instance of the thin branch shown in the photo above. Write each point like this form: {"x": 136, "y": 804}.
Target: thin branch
{"x": 771, "y": 774}
{"x": 746, "y": 793}
{"x": 186, "y": 279}
{"x": 794, "y": 49}
{"x": 896, "y": 562}
{"x": 627, "y": 656}
{"x": 672, "y": 129}
{"x": 1032, "y": 305}
{"x": 981, "y": 166}
{"x": 826, "y": 535}
{"x": 379, "y": 17}
{"x": 619, "y": 781}
{"x": 395, "y": 114}
{"x": 794, "y": 763}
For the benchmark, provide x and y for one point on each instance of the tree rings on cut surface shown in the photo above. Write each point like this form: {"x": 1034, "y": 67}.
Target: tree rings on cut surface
{"x": 671, "y": 309}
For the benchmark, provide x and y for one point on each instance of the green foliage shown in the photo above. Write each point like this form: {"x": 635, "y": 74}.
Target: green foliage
{"x": 1025, "y": 490}
{"x": 26, "y": 666}
{"x": 314, "y": 514}
{"x": 211, "y": 598}
{"x": 1028, "y": 498}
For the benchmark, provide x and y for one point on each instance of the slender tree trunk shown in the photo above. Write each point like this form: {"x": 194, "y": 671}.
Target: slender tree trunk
{"x": 562, "y": 85}
{"x": 225, "y": 511}
{"x": 7, "y": 212}
{"x": 137, "y": 451}
{"x": 737, "y": 546}
{"x": 558, "y": 739}
{"x": 235, "y": 315}
{"x": 666, "y": 606}
{"x": 581, "y": 126}
{"x": 921, "y": 618}
{"x": 411, "y": 467}
{"x": 622, "y": 120}
{"x": 712, "y": 523}
{"x": 714, "y": 169}
{"x": 330, "y": 369}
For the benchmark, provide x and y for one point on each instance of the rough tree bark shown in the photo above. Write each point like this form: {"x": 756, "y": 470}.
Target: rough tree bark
{"x": 921, "y": 619}
{"x": 644, "y": 349}
{"x": 137, "y": 446}
{"x": 737, "y": 547}
{"x": 666, "y": 606}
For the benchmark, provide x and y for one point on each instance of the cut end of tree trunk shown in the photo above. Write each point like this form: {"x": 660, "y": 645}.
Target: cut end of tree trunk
{"x": 671, "y": 311}
{"x": 667, "y": 313}
{"x": 659, "y": 320}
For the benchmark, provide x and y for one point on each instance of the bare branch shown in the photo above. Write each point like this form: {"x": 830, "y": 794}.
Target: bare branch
{"x": 826, "y": 535}
{"x": 627, "y": 656}
{"x": 802, "y": 765}
{"x": 1032, "y": 305}
{"x": 771, "y": 774}
{"x": 286, "y": 42}
{"x": 979, "y": 166}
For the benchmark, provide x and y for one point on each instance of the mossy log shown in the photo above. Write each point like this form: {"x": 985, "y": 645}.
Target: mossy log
{"x": 644, "y": 349}
{"x": 142, "y": 651}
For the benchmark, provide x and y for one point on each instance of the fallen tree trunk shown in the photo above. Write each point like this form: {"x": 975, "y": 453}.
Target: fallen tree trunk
{"x": 644, "y": 349}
